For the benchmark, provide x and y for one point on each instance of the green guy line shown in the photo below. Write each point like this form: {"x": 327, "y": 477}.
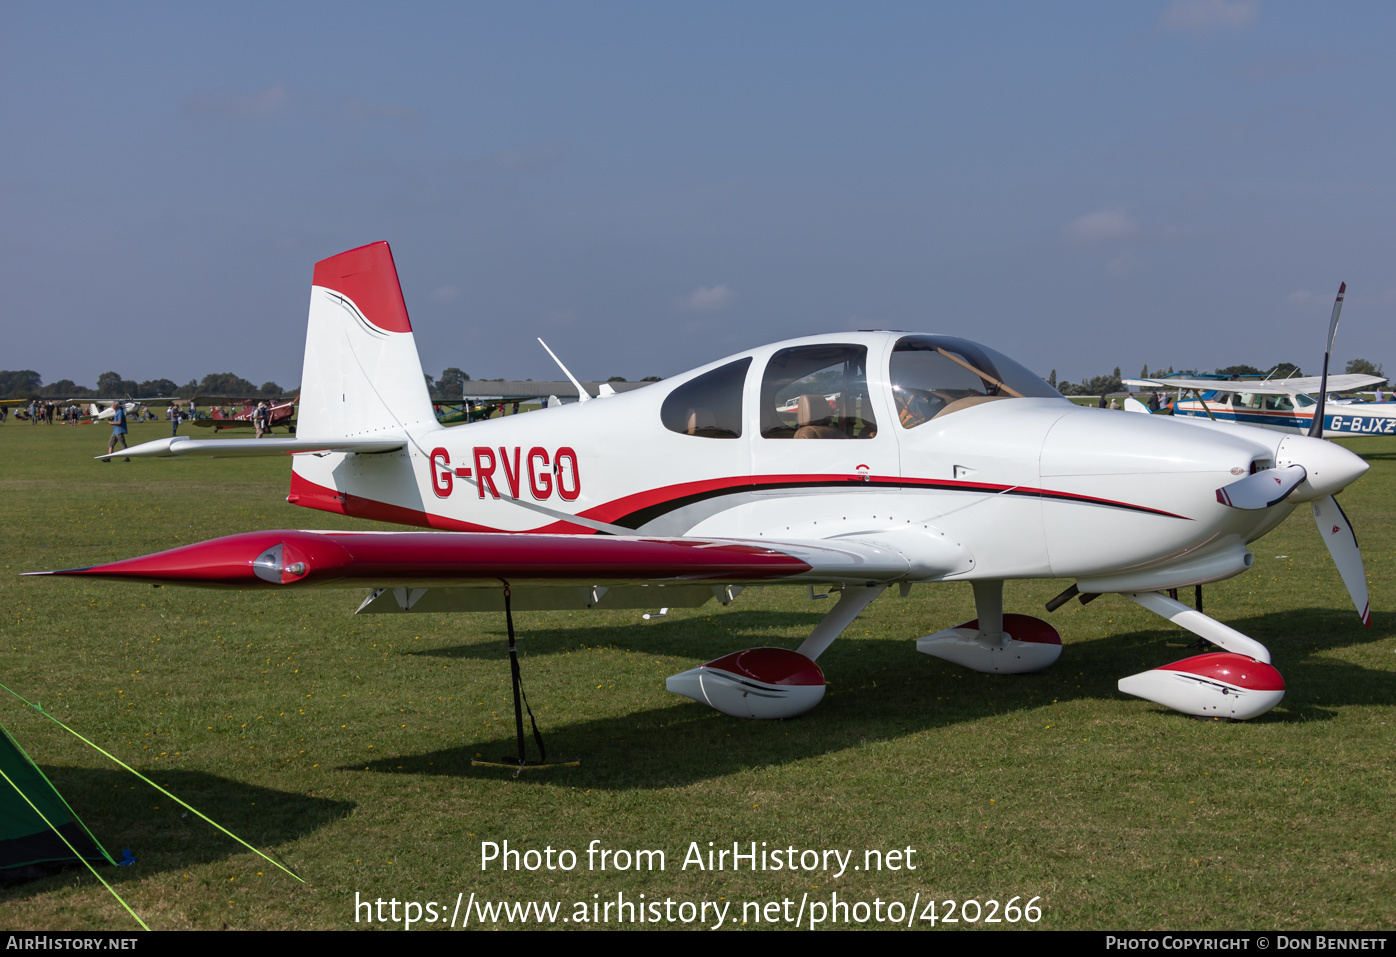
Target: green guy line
{"x": 70, "y": 845}
{"x": 147, "y": 780}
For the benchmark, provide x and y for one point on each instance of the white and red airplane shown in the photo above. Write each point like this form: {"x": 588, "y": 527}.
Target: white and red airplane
{"x": 936, "y": 460}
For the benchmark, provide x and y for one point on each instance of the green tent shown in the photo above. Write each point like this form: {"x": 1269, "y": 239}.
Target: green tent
{"x": 33, "y": 815}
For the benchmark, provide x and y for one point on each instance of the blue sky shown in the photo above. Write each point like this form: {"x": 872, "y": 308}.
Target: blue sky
{"x": 652, "y": 186}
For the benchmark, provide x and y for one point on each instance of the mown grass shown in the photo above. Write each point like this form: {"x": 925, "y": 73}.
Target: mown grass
{"x": 343, "y": 744}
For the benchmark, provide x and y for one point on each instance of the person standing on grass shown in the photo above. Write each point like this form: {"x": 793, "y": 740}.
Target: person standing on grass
{"x": 118, "y": 430}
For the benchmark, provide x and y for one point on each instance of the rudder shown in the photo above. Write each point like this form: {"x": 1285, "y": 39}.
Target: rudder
{"x": 362, "y": 375}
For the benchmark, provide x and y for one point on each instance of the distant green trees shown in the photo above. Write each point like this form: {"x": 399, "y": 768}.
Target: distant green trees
{"x": 1095, "y": 385}
{"x": 19, "y": 383}
{"x": 111, "y": 385}
{"x": 26, "y": 383}
{"x": 451, "y": 383}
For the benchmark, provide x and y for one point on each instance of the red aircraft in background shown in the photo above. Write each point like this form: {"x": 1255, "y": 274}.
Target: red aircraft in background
{"x": 279, "y": 413}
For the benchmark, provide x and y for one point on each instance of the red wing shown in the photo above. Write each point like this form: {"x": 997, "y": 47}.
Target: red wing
{"x": 418, "y": 559}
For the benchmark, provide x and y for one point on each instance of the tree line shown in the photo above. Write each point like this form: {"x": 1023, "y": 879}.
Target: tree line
{"x": 28, "y": 384}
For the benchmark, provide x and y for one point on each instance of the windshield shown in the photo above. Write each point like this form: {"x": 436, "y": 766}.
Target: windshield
{"x": 938, "y": 375}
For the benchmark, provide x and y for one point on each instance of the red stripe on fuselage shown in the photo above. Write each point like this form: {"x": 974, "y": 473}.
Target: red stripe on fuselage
{"x": 310, "y": 495}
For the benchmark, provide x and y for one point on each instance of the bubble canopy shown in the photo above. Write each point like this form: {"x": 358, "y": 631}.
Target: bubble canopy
{"x": 939, "y": 375}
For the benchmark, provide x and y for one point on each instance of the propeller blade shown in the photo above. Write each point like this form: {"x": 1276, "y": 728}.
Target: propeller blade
{"x": 1316, "y": 430}
{"x": 1263, "y": 489}
{"x": 1338, "y": 535}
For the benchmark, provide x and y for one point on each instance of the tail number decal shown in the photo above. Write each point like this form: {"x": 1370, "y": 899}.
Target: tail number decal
{"x": 547, "y": 474}
{"x": 441, "y": 480}
{"x": 1360, "y": 424}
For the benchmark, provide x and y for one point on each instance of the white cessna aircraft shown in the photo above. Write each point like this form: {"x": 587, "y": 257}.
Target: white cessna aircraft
{"x": 936, "y": 460}
{"x": 1284, "y": 405}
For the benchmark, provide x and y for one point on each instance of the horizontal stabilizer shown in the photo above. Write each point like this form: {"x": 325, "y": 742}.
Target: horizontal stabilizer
{"x": 243, "y": 448}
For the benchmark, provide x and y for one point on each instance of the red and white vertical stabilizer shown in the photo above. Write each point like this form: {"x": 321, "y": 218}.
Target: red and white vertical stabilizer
{"x": 362, "y": 376}
{"x": 1217, "y": 685}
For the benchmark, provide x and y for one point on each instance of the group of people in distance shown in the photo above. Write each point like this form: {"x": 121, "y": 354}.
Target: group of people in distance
{"x": 261, "y": 421}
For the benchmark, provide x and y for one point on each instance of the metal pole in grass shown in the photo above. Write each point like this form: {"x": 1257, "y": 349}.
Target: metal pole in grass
{"x": 520, "y": 704}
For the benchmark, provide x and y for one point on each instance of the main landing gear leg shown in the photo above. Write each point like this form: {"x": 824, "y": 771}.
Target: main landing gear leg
{"x": 773, "y": 682}
{"x": 995, "y": 642}
{"x": 1236, "y": 683}
{"x": 520, "y": 703}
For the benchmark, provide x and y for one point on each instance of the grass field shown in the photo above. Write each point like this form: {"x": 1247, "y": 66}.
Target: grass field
{"x": 342, "y": 745}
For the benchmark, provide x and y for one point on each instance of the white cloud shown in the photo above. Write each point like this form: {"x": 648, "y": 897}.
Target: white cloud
{"x": 707, "y": 299}
{"x": 1103, "y": 224}
{"x": 1203, "y": 17}
{"x": 268, "y": 102}
{"x": 357, "y": 111}
{"x": 446, "y": 293}
{"x": 527, "y": 159}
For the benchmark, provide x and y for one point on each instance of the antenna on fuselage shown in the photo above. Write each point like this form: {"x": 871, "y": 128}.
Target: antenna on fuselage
{"x": 582, "y": 395}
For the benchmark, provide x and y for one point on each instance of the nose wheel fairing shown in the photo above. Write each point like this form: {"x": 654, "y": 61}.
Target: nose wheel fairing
{"x": 1216, "y": 685}
{"x": 1237, "y": 683}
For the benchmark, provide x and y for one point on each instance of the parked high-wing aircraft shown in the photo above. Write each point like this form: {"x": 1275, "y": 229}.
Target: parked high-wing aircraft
{"x": 1284, "y": 405}
{"x": 860, "y": 460}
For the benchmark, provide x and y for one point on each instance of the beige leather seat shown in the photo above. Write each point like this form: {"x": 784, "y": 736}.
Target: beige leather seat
{"x": 700, "y": 420}
{"x": 815, "y": 419}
